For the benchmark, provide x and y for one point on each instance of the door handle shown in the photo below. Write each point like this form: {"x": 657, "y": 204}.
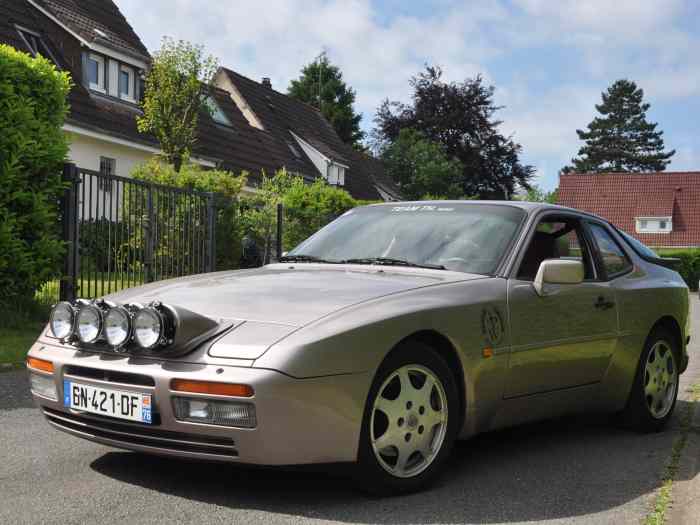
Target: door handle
{"x": 603, "y": 304}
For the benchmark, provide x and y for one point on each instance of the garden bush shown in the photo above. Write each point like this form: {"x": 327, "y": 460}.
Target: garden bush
{"x": 32, "y": 151}
{"x": 227, "y": 188}
{"x": 688, "y": 265}
{"x": 307, "y": 208}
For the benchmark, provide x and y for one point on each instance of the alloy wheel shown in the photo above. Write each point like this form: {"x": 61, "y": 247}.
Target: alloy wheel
{"x": 660, "y": 380}
{"x": 409, "y": 421}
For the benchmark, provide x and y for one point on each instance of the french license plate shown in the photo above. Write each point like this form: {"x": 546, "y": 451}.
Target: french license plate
{"x": 133, "y": 406}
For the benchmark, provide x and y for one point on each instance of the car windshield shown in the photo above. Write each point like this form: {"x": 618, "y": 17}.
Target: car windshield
{"x": 465, "y": 237}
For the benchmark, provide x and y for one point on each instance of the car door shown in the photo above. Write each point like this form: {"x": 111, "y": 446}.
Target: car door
{"x": 565, "y": 338}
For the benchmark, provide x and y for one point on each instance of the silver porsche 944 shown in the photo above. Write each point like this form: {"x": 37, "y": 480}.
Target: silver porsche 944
{"x": 379, "y": 341}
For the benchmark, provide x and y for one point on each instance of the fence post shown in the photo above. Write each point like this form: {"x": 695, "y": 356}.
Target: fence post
{"x": 280, "y": 223}
{"x": 69, "y": 226}
{"x": 211, "y": 217}
{"x": 149, "y": 234}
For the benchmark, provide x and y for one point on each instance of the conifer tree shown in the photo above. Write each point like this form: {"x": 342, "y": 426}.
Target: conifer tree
{"x": 621, "y": 139}
{"x": 321, "y": 85}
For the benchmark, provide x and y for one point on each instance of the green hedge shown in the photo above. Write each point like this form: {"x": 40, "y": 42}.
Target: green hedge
{"x": 689, "y": 266}
{"x": 32, "y": 151}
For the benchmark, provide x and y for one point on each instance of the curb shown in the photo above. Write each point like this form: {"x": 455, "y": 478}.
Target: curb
{"x": 686, "y": 491}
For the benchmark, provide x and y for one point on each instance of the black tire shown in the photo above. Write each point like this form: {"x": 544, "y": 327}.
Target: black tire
{"x": 637, "y": 414}
{"x": 371, "y": 476}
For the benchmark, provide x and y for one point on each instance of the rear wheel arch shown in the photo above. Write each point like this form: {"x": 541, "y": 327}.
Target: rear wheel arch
{"x": 670, "y": 324}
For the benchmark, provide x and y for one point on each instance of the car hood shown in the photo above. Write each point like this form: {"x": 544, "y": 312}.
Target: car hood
{"x": 287, "y": 294}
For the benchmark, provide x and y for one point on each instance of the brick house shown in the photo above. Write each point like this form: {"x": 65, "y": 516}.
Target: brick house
{"x": 253, "y": 127}
{"x": 660, "y": 209}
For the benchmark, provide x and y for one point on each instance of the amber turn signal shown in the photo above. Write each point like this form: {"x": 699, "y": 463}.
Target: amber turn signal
{"x": 208, "y": 387}
{"x": 40, "y": 364}
{"x": 487, "y": 352}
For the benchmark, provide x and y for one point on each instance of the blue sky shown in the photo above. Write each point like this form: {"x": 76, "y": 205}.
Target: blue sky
{"x": 549, "y": 60}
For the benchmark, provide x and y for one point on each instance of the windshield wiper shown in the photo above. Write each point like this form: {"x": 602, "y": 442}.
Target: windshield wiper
{"x": 388, "y": 261}
{"x": 305, "y": 258}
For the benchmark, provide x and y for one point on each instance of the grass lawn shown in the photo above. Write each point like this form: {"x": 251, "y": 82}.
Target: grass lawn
{"x": 15, "y": 341}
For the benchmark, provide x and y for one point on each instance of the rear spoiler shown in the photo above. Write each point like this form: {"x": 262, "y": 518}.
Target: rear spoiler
{"x": 667, "y": 262}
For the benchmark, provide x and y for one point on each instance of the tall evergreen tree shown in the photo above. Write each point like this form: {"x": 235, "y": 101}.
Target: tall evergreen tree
{"x": 459, "y": 116}
{"x": 621, "y": 139}
{"x": 321, "y": 84}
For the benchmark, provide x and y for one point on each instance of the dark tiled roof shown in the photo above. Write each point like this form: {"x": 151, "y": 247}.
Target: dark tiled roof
{"x": 280, "y": 114}
{"x": 236, "y": 147}
{"x": 86, "y": 16}
{"x": 620, "y": 197}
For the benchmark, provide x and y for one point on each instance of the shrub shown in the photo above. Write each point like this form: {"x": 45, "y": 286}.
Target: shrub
{"x": 688, "y": 266}
{"x": 32, "y": 151}
{"x": 227, "y": 188}
{"x": 307, "y": 208}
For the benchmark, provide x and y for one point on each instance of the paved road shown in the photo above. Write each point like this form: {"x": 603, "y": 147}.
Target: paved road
{"x": 577, "y": 471}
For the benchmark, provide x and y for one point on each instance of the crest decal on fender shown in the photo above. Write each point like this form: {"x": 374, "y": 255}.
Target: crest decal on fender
{"x": 492, "y": 325}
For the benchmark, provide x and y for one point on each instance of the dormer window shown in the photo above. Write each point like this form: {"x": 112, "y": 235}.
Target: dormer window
{"x": 217, "y": 114}
{"x": 109, "y": 76}
{"x": 35, "y": 43}
{"x": 96, "y": 72}
{"x": 126, "y": 83}
{"x": 654, "y": 224}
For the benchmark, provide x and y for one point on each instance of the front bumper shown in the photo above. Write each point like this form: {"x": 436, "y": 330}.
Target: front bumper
{"x": 299, "y": 421}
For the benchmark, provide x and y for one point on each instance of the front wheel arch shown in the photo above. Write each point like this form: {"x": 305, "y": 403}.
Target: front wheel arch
{"x": 447, "y": 350}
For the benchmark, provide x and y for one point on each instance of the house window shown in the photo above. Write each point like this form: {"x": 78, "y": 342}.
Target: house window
{"x": 654, "y": 224}
{"x": 108, "y": 166}
{"x": 126, "y": 83}
{"x": 217, "y": 113}
{"x": 96, "y": 72}
{"x": 35, "y": 44}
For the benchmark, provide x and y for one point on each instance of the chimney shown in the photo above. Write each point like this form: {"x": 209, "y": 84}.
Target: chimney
{"x": 266, "y": 82}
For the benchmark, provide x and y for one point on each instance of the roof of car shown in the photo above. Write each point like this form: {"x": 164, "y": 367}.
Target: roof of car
{"x": 529, "y": 207}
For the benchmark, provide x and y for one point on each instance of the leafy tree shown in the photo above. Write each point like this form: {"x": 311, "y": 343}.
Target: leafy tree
{"x": 621, "y": 139}
{"x": 177, "y": 91}
{"x": 460, "y": 118}
{"x": 421, "y": 168}
{"x": 537, "y": 194}
{"x": 33, "y": 148}
{"x": 321, "y": 85}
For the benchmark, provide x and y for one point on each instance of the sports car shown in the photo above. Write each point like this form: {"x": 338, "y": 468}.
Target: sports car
{"x": 389, "y": 334}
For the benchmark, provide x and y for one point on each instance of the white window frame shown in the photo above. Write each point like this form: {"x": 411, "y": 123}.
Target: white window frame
{"x": 653, "y": 224}
{"x": 130, "y": 97}
{"x": 100, "y": 86}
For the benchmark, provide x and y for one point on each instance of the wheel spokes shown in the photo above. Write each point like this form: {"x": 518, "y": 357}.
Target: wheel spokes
{"x": 660, "y": 380}
{"x": 413, "y": 424}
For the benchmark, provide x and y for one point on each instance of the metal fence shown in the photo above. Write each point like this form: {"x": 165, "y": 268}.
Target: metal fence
{"x": 122, "y": 232}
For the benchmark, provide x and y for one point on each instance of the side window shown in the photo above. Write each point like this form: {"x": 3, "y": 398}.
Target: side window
{"x": 612, "y": 257}
{"x": 555, "y": 238}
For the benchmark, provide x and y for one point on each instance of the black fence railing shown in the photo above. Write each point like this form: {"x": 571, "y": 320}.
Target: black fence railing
{"x": 122, "y": 232}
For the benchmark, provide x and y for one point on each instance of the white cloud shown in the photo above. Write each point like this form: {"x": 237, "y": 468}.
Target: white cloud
{"x": 576, "y": 48}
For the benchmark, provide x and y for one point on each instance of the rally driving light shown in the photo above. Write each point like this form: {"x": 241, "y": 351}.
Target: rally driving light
{"x": 61, "y": 320}
{"x": 148, "y": 328}
{"x": 117, "y": 326}
{"x": 215, "y": 412}
{"x": 89, "y": 323}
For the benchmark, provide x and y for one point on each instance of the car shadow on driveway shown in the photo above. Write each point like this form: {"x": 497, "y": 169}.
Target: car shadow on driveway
{"x": 555, "y": 469}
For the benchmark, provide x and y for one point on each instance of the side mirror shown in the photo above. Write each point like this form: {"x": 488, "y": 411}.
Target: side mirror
{"x": 557, "y": 271}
